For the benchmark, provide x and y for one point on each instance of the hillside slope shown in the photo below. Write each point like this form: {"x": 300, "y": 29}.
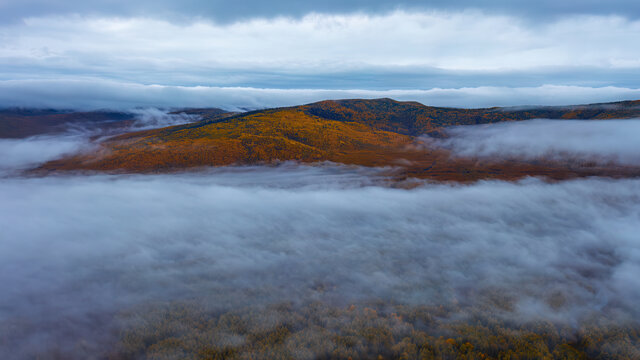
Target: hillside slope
{"x": 412, "y": 118}
{"x": 363, "y": 132}
{"x": 264, "y": 136}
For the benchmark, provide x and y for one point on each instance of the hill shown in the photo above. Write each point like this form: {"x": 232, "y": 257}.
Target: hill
{"x": 412, "y": 118}
{"x": 379, "y": 132}
{"x": 20, "y": 123}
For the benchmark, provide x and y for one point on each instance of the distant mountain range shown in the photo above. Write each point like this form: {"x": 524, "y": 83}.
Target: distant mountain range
{"x": 380, "y": 132}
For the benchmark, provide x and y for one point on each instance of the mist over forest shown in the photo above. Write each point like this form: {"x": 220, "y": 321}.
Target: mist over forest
{"x": 78, "y": 252}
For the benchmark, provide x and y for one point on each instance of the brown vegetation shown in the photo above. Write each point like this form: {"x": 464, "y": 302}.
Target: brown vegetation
{"x": 363, "y": 132}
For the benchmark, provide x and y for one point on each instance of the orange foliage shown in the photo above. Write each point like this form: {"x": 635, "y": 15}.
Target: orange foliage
{"x": 361, "y": 132}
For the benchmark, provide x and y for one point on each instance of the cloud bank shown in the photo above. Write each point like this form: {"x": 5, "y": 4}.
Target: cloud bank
{"x": 73, "y": 250}
{"x": 589, "y": 140}
{"x": 104, "y": 94}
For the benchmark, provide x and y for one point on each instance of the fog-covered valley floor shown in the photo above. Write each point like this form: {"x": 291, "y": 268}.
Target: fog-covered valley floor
{"x": 132, "y": 266}
{"x": 77, "y": 249}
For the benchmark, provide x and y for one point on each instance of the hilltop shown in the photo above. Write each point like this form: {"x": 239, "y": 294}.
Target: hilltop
{"x": 413, "y": 118}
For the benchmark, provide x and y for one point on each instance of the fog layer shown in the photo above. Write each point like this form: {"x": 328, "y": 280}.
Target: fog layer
{"x": 596, "y": 140}
{"x": 22, "y": 154}
{"x": 72, "y": 248}
{"x": 98, "y": 93}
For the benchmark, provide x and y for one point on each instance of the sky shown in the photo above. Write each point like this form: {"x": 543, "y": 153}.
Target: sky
{"x": 251, "y": 54}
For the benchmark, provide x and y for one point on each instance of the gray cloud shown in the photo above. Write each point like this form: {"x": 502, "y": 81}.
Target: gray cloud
{"x": 225, "y": 11}
{"x": 105, "y": 94}
{"x": 362, "y": 77}
{"x": 75, "y": 249}
{"x": 590, "y": 140}
{"x": 400, "y": 49}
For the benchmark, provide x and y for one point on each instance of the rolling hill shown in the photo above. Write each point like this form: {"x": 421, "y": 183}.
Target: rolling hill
{"x": 380, "y": 132}
{"x": 412, "y": 118}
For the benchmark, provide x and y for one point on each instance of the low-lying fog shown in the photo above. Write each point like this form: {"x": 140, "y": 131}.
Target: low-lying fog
{"x": 149, "y": 118}
{"x": 595, "y": 140}
{"x": 72, "y": 248}
{"x": 22, "y": 154}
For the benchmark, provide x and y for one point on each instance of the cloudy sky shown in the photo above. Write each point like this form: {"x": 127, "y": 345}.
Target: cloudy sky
{"x": 238, "y": 54}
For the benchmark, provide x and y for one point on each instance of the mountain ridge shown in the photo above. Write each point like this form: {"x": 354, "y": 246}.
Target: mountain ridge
{"x": 414, "y": 118}
{"x": 377, "y": 132}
